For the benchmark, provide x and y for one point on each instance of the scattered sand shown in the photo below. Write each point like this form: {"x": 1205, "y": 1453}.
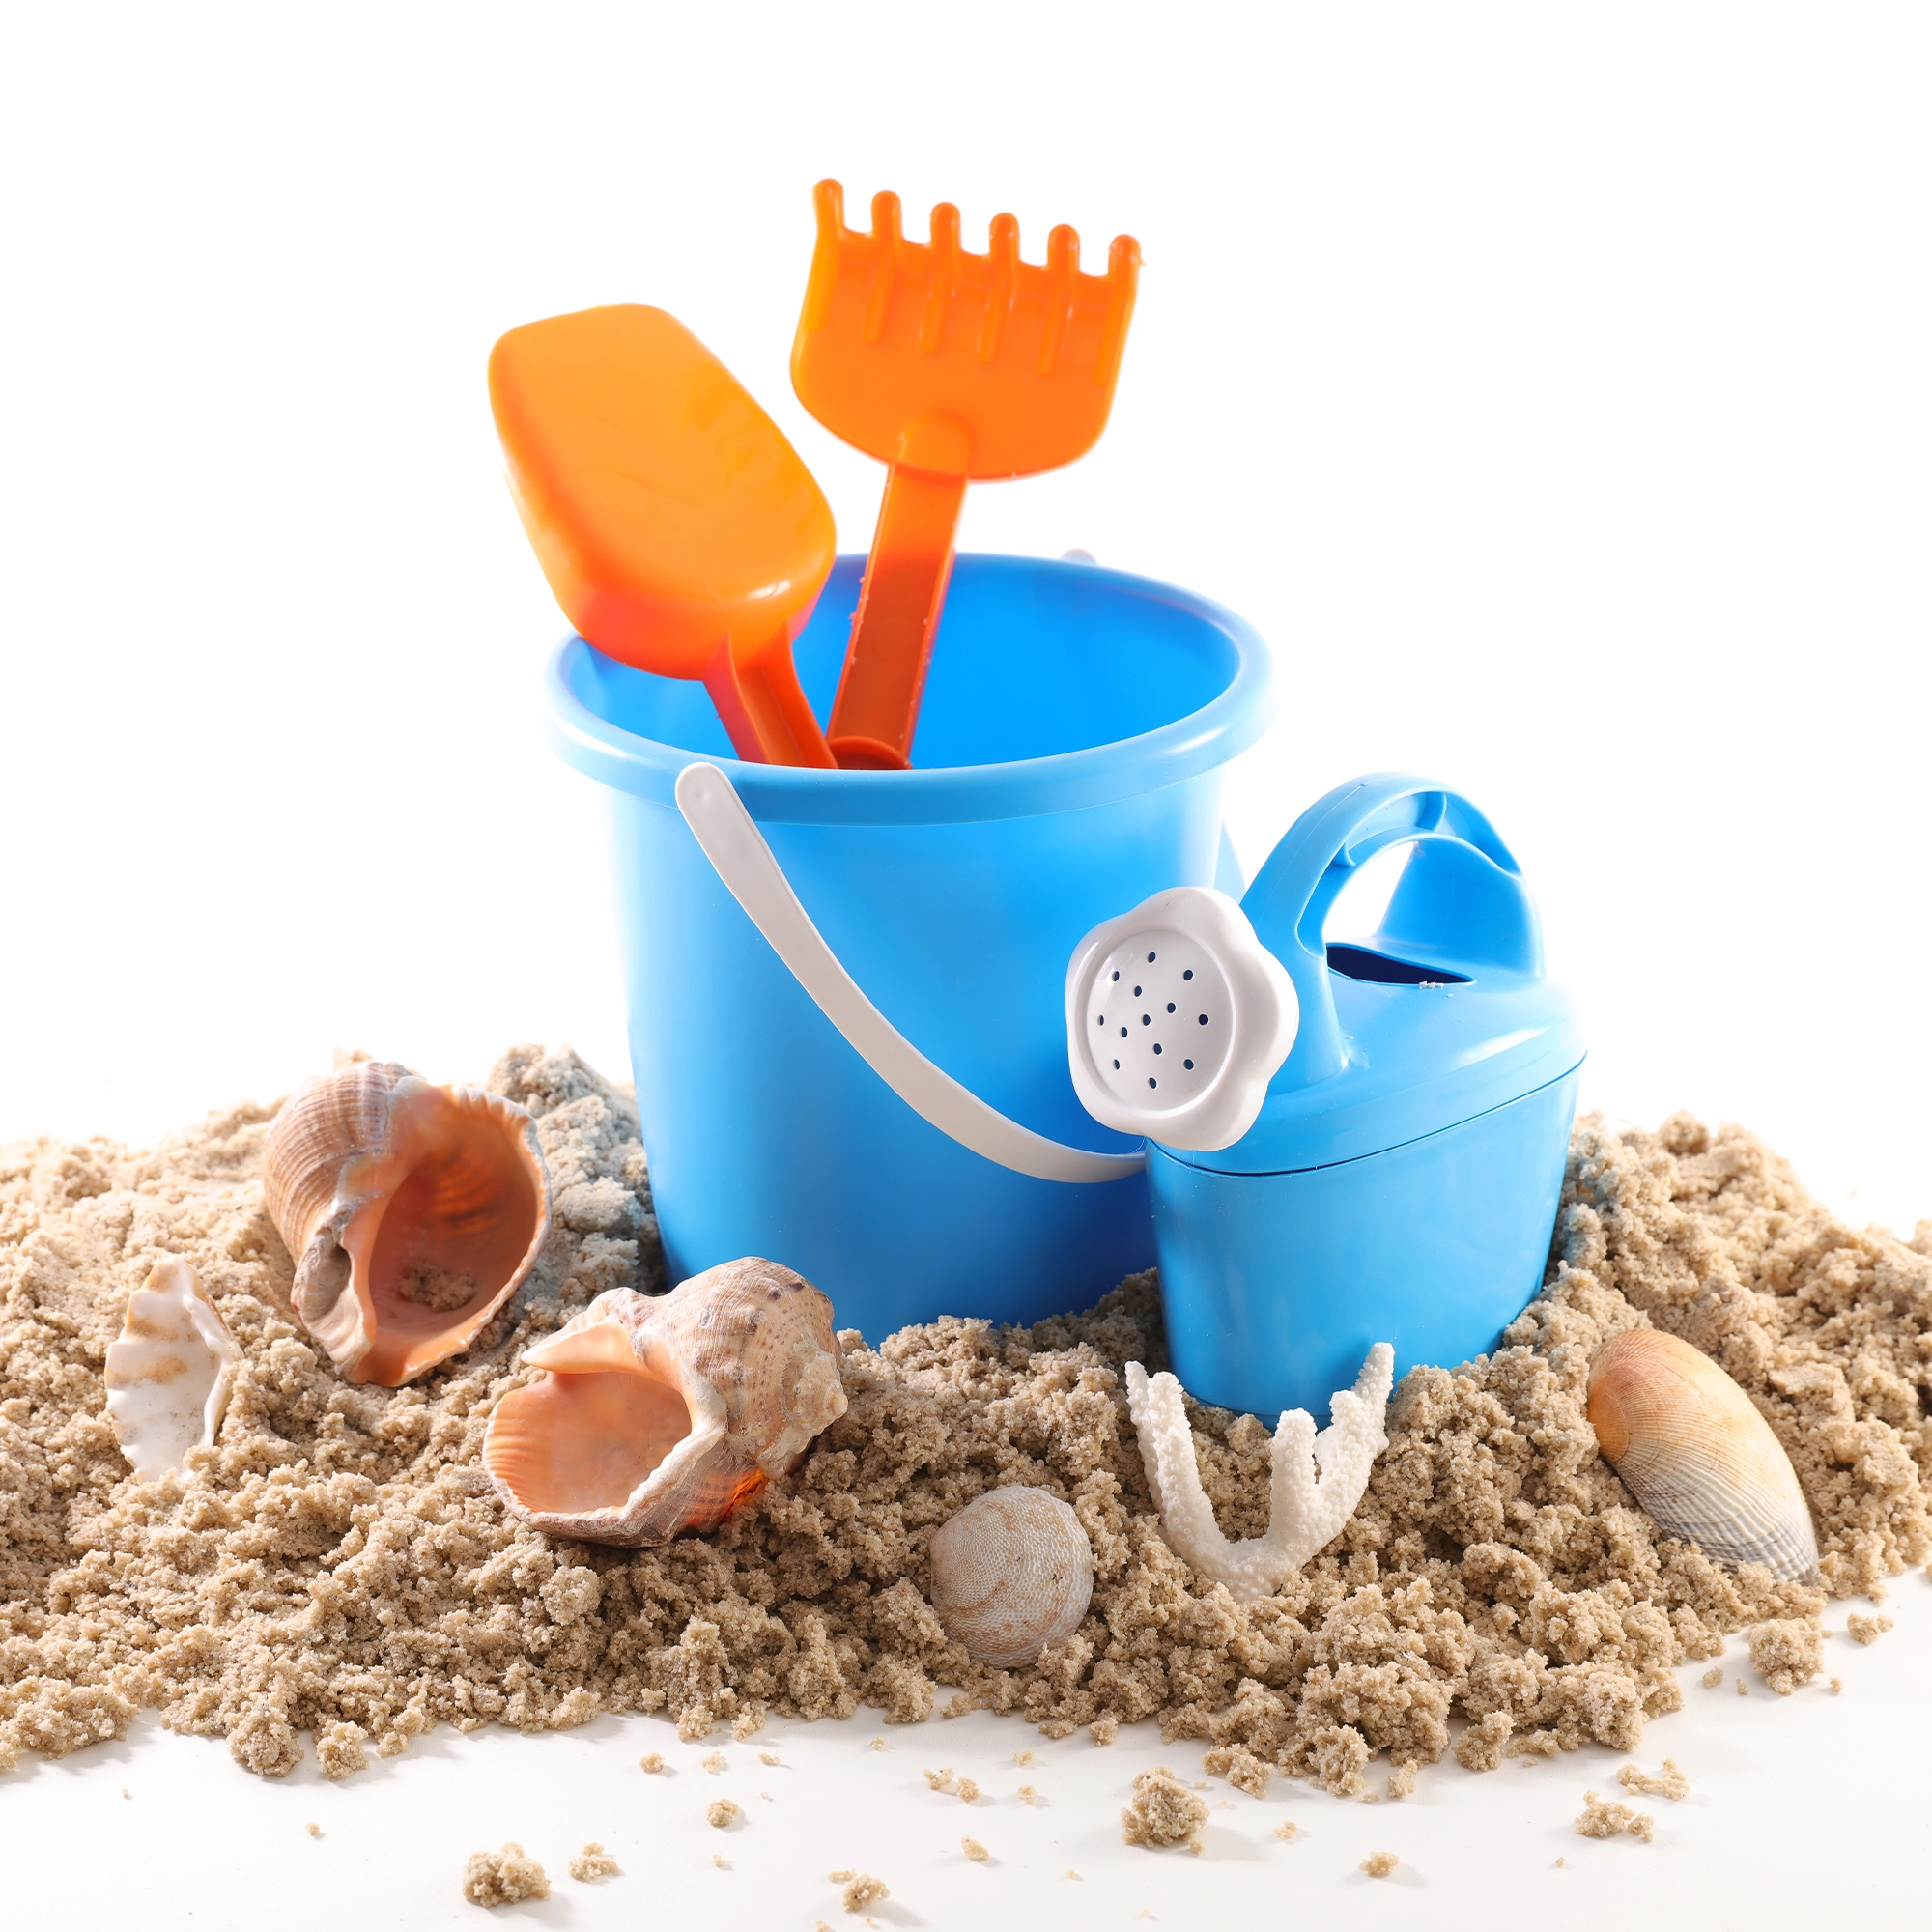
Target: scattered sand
{"x": 975, "y": 1850}
{"x": 1866, "y": 1629}
{"x": 1240, "y": 1768}
{"x": 1379, "y": 1864}
{"x": 1787, "y": 1652}
{"x": 1163, "y": 1812}
{"x": 651, "y": 1761}
{"x": 1713, "y": 1677}
{"x": 713, "y": 1762}
{"x": 722, "y": 1812}
{"x": 969, "y": 1791}
{"x": 503, "y": 1877}
{"x": 338, "y": 1566}
{"x": 1669, "y": 1782}
{"x": 593, "y": 1862}
{"x": 1286, "y": 1829}
{"x": 1606, "y": 1818}
{"x": 862, "y": 1889}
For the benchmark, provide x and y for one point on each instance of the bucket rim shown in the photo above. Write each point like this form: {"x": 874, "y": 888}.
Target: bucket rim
{"x": 1201, "y": 740}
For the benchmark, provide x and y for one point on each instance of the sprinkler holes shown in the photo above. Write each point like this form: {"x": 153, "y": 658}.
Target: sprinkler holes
{"x": 1203, "y": 1019}
{"x": 1146, "y": 1019}
{"x": 1188, "y": 975}
{"x": 1116, "y": 1066}
{"x": 1156, "y": 1046}
{"x": 1117, "y": 975}
{"x": 1123, "y": 1033}
{"x": 1169, "y": 1005}
{"x": 1152, "y": 1081}
{"x": 1150, "y": 958}
{"x": 1188, "y": 1064}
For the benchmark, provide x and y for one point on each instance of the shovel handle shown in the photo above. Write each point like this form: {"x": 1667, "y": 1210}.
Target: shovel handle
{"x": 877, "y": 707}
{"x": 755, "y": 686}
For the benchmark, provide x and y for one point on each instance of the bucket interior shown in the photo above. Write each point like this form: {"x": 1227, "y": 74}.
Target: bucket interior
{"x": 1033, "y": 659}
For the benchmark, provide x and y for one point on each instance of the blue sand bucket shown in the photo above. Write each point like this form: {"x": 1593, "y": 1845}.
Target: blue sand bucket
{"x": 1401, "y": 1184}
{"x": 1069, "y": 757}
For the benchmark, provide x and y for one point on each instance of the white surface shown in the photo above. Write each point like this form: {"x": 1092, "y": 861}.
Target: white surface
{"x": 739, "y": 855}
{"x": 1549, "y": 384}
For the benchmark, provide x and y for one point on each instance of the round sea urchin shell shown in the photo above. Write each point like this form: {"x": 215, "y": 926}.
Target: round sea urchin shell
{"x": 414, "y": 1212}
{"x": 658, "y": 1414}
{"x": 1693, "y": 1450}
{"x": 1011, "y": 1572}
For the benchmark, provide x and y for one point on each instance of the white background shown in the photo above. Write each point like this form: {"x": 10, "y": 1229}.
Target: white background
{"x": 1550, "y": 386}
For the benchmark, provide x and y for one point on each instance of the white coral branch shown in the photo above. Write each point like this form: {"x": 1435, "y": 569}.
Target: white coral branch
{"x": 1303, "y": 1514}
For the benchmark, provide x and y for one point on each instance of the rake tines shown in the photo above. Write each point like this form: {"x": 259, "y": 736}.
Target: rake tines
{"x": 951, "y": 367}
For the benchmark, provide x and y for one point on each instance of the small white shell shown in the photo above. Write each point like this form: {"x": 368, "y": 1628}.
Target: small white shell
{"x": 1693, "y": 1450}
{"x": 658, "y": 1415}
{"x": 169, "y": 1371}
{"x": 1011, "y": 1572}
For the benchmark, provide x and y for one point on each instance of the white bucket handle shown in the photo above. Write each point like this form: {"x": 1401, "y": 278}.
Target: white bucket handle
{"x": 731, "y": 841}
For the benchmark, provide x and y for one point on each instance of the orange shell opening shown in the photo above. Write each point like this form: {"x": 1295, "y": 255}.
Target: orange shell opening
{"x": 576, "y": 1442}
{"x": 468, "y": 1205}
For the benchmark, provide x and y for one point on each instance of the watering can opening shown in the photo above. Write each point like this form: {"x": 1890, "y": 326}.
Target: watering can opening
{"x": 1359, "y": 963}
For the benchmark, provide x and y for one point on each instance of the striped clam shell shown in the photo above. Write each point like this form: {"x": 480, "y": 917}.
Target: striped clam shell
{"x": 1693, "y": 1450}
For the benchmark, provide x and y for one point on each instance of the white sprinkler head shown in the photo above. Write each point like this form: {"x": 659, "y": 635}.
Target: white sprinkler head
{"x": 1177, "y": 1020}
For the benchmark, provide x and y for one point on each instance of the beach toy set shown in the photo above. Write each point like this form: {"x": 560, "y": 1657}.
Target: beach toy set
{"x": 956, "y": 1005}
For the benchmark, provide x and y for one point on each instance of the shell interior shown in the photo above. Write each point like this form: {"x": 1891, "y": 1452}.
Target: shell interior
{"x": 169, "y": 1371}
{"x": 414, "y": 1212}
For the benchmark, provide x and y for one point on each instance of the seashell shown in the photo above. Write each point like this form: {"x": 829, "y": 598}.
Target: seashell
{"x": 1011, "y": 1572}
{"x": 169, "y": 1371}
{"x": 413, "y": 1213}
{"x": 658, "y": 1414}
{"x": 1696, "y": 1454}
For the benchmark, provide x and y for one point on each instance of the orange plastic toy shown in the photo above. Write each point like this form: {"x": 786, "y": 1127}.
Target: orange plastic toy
{"x": 676, "y": 523}
{"x": 952, "y": 368}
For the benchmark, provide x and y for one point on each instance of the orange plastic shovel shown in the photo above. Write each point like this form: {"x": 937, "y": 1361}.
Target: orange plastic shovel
{"x": 952, "y": 368}
{"x": 676, "y": 525}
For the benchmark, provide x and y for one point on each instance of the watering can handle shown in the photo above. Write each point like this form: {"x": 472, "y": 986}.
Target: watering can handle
{"x": 1461, "y": 894}
{"x": 731, "y": 841}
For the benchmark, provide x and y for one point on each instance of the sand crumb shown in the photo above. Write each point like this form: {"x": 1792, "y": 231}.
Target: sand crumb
{"x": 749, "y": 1723}
{"x": 1402, "y": 1782}
{"x": 768, "y": 1758}
{"x": 652, "y": 1761}
{"x": 719, "y": 1860}
{"x": 1379, "y": 1864}
{"x": 1287, "y": 1830}
{"x": 1713, "y": 1677}
{"x": 1240, "y": 1768}
{"x": 722, "y": 1812}
{"x": 1495, "y": 1566}
{"x": 503, "y": 1877}
{"x": 311, "y": 1828}
{"x": 593, "y": 1862}
{"x": 1786, "y": 1653}
{"x": 975, "y": 1850}
{"x": 862, "y": 1889}
{"x": 1743, "y": 1688}
{"x": 1559, "y": 1864}
{"x": 1481, "y": 1746}
{"x": 1669, "y": 1782}
{"x": 1105, "y": 1728}
{"x": 1023, "y": 1757}
{"x": 1837, "y": 1686}
{"x": 1606, "y": 1818}
{"x": 1163, "y": 1812}
{"x": 878, "y": 1743}
{"x": 714, "y": 1762}
{"x": 1866, "y": 1629}
{"x": 968, "y": 1790}
{"x": 1029, "y": 1795}
{"x": 940, "y": 1780}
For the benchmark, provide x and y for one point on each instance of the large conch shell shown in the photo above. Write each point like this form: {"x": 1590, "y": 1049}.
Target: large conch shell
{"x": 658, "y": 1414}
{"x": 414, "y": 1212}
{"x": 1011, "y": 1572}
{"x": 169, "y": 1371}
{"x": 1693, "y": 1450}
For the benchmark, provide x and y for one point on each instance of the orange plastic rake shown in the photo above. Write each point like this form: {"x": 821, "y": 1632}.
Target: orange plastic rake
{"x": 953, "y": 368}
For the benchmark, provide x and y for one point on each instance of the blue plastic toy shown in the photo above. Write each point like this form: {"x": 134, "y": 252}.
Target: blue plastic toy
{"x": 1068, "y": 761}
{"x": 1402, "y": 1179}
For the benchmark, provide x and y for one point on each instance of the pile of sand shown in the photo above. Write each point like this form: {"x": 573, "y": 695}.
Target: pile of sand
{"x": 338, "y": 1565}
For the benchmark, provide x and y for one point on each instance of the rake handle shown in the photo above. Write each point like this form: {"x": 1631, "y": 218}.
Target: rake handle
{"x": 877, "y": 707}
{"x": 755, "y": 686}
